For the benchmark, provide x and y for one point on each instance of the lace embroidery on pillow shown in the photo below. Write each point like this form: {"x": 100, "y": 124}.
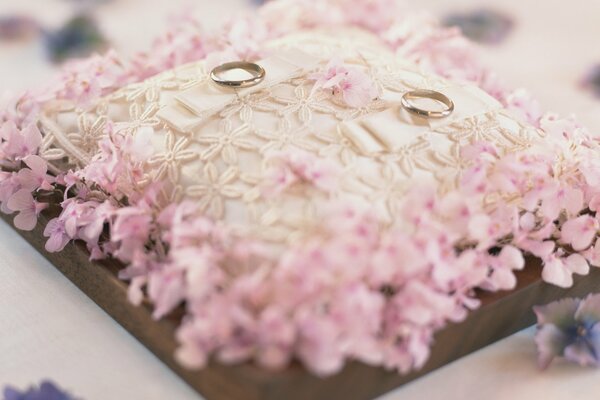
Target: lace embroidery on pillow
{"x": 221, "y": 162}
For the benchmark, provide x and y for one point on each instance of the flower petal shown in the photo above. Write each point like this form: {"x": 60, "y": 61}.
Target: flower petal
{"x": 37, "y": 164}
{"x": 26, "y": 220}
{"x": 560, "y": 313}
{"x": 21, "y": 200}
{"x": 557, "y": 273}
{"x": 589, "y": 310}
{"x": 577, "y": 264}
{"x": 581, "y": 353}
{"x": 551, "y": 343}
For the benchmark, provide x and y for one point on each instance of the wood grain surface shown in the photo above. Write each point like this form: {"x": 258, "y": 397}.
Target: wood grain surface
{"x": 500, "y": 315}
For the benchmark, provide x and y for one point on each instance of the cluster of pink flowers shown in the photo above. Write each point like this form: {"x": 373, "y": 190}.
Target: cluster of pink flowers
{"x": 286, "y": 169}
{"x": 354, "y": 86}
{"x": 357, "y": 290}
{"x": 25, "y": 177}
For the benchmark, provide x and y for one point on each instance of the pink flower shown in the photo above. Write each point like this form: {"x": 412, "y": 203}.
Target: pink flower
{"x": 36, "y": 176}
{"x": 139, "y": 146}
{"x": 288, "y": 168}
{"x": 57, "y": 235}
{"x": 375, "y": 15}
{"x": 9, "y": 185}
{"x": 317, "y": 346}
{"x": 502, "y": 276}
{"x": 84, "y": 91}
{"x": 355, "y": 87}
{"x": 20, "y": 143}
{"x": 245, "y": 37}
{"x": 559, "y": 271}
{"x": 523, "y": 105}
{"x": 166, "y": 288}
{"x": 130, "y": 231}
{"x": 28, "y": 209}
{"x": 579, "y": 232}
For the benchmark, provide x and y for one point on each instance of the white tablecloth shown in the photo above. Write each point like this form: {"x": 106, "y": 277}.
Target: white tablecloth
{"x": 49, "y": 329}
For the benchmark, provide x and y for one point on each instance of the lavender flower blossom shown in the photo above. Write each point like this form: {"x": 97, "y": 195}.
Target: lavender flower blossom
{"x": 569, "y": 328}
{"x": 482, "y": 26}
{"x": 46, "y": 391}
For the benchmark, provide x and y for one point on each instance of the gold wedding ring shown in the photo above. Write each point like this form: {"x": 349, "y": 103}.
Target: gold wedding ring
{"x": 256, "y": 71}
{"x": 408, "y": 102}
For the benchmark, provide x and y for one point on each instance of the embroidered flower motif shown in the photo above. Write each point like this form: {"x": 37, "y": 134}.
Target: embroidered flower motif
{"x": 303, "y": 103}
{"x": 569, "y": 328}
{"x": 353, "y": 85}
{"x": 214, "y": 188}
{"x": 174, "y": 154}
{"x": 89, "y": 132}
{"x": 337, "y": 145}
{"x": 387, "y": 187}
{"x": 411, "y": 156}
{"x": 245, "y": 106}
{"x": 285, "y": 137}
{"x": 140, "y": 120}
{"x": 480, "y": 128}
{"x": 226, "y": 142}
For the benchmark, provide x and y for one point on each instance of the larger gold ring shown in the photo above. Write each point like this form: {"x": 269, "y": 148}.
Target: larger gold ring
{"x": 409, "y": 105}
{"x": 256, "y": 71}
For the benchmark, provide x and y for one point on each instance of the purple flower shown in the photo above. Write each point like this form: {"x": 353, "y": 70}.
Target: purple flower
{"x": 482, "y": 26}
{"x": 17, "y": 27}
{"x": 79, "y": 37}
{"x": 591, "y": 80}
{"x": 569, "y": 328}
{"x": 46, "y": 391}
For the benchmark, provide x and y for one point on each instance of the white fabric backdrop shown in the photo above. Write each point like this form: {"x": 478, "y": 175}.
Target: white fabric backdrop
{"x": 49, "y": 329}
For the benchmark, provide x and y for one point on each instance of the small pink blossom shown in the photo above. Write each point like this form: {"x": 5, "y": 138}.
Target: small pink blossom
{"x": 502, "y": 276}
{"x": 131, "y": 229}
{"x": 9, "y": 185}
{"x": 167, "y": 289}
{"x": 559, "y": 271}
{"x": 525, "y": 106}
{"x": 374, "y": 15}
{"x": 288, "y": 168}
{"x": 579, "y": 232}
{"x": 57, "y": 235}
{"x": 245, "y": 37}
{"x": 28, "y": 209}
{"x": 84, "y": 91}
{"x": 353, "y": 85}
{"x": 36, "y": 176}
{"x": 19, "y": 144}
{"x": 139, "y": 146}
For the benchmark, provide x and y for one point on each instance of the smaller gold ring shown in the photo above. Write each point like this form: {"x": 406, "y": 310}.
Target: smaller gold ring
{"x": 427, "y": 94}
{"x": 258, "y": 74}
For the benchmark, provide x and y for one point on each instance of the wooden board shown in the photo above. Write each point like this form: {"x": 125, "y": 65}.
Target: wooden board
{"x": 500, "y": 315}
